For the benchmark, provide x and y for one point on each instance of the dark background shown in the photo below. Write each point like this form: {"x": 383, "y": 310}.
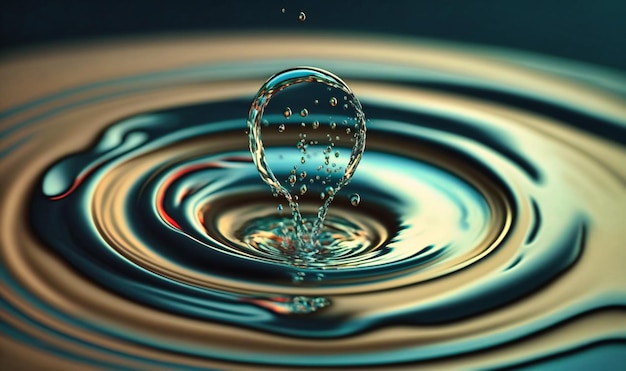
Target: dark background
{"x": 590, "y": 30}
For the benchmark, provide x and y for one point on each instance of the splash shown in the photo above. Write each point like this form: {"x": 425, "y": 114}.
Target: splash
{"x": 321, "y": 163}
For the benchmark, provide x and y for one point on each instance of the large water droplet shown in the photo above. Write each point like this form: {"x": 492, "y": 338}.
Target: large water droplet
{"x": 309, "y": 153}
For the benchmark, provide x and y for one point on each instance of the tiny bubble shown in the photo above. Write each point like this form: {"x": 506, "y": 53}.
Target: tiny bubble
{"x": 279, "y": 208}
{"x": 304, "y": 112}
{"x": 282, "y": 10}
{"x": 287, "y": 112}
{"x": 333, "y": 125}
{"x": 333, "y": 101}
{"x": 302, "y": 17}
{"x": 303, "y": 189}
{"x": 355, "y": 199}
{"x": 281, "y": 128}
{"x": 316, "y": 124}
{"x": 337, "y": 154}
{"x": 348, "y": 131}
{"x": 316, "y": 101}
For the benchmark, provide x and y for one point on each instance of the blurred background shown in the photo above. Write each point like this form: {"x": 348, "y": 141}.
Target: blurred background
{"x": 588, "y": 31}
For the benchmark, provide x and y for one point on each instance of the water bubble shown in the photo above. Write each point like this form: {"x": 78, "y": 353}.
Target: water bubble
{"x": 306, "y": 236}
{"x": 355, "y": 199}
{"x": 333, "y": 125}
{"x": 282, "y": 10}
{"x": 302, "y": 17}
{"x": 279, "y": 208}
{"x": 337, "y": 154}
{"x": 348, "y": 130}
{"x": 316, "y": 101}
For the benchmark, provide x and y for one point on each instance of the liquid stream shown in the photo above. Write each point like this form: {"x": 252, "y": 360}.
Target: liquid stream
{"x": 136, "y": 233}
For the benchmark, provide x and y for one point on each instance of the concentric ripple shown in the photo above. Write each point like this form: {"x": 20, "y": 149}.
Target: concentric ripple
{"x": 137, "y": 234}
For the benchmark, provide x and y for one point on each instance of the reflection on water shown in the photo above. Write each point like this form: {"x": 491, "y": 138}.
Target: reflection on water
{"x": 489, "y": 232}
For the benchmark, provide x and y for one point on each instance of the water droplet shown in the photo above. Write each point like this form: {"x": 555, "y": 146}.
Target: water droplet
{"x": 345, "y": 106}
{"x": 355, "y": 199}
{"x": 348, "y": 130}
{"x": 316, "y": 101}
{"x": 306, "y": 235}
{"x": 337, "y": 154}
{"x": 282, "y": 10}
{"x": 302, "y": 17}
{"x": 333, "y": 125}
{"x": 279, "y": 208}
{"x": 265, "y": 122}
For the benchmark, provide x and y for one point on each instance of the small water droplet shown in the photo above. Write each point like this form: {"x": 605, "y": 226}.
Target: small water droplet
{"x": 337, "y": 154}
{"x": 316, "y": 101}
{"x": 303, "y": 189}
{"x": 302, "y": 17}
{"x": 333, "y": 125}
{"x": 279, "y": 208}
{"x": 304, "y": 112}
{"x": 303, "y": 175}
{"x": 281, "y": 128}
{"x": 355, "y": 199}
{"x": 287, "y": 112}
{"x": 316, "y": 124}
{"x": 282, "y": 10}
{"x": 322, "y": 195}
{"x": 330, "y": 190}
{"x": 333, "y": 101}
{"x": 345, "y": 106}
{"x": 348, "y": 131}
{"x": 292, "y": 179}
